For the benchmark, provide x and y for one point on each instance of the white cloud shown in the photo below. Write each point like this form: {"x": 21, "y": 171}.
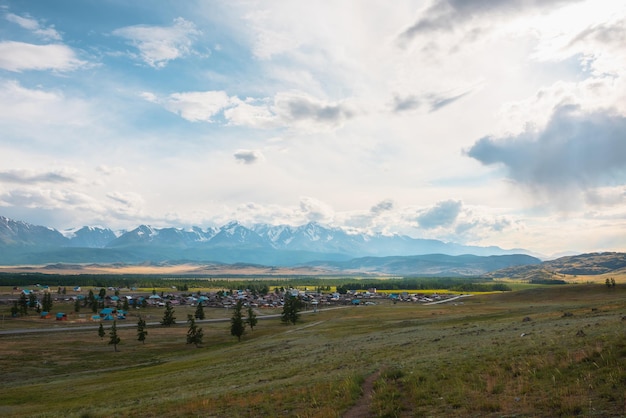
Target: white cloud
{"x": 32, "y": 112}
{"x": 31, "y": 177}
{"x": 128, "y": 199}
{"x": 158, "y": 45}
{"x": 109, "y": 171}
{"x": 28, "y": 23}
{"x": 315, "y": 210}
{"x": 20, "y": 56}
{"x": 198, "y": 106}
{"x": 47, "y": 199}
{"x": 21, "y": 106}
{"x": 291, "y": 110}
{"x": 252, "y": 113}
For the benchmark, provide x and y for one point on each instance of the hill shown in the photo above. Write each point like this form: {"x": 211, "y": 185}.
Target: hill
{"x": 590, "y": 264}
{"x": 543, "y": 352}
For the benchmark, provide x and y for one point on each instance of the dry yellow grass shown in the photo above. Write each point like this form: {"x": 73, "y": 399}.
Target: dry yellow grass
{"x": 161, "y": 269}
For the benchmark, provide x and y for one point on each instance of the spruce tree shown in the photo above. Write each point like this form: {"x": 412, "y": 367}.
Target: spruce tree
{"x": 91, "y": 299}
{"x": 168, "y": 315}
{"x": 252, "y": 320}
{"x": 47, "y": 302}
{"x": 194, "y": 334}
{"x": 32, "y": 300}
{"x": 23, "y": 302}
{"x": 292, "y": 306}
{"x": 101, "y": 332}
{"x": 77, "y": 305}
{"x": 141, "y": 330}
{"x": 115, "y": 340}
{"x": 199, "y": 311}
{"x": 237, "y": 327}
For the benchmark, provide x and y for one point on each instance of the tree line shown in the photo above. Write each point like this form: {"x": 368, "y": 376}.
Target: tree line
{"x": 258, "y": 285}
{"x": 448, "y": 283}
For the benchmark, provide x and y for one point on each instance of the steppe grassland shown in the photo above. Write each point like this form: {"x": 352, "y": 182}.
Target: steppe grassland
{"x": 478, "y": 357}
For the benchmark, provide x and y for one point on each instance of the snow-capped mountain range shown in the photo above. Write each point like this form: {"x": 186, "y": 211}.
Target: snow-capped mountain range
{"x": 21, "y": 242}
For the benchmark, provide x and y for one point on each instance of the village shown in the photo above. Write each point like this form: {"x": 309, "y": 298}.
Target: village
{"x": 113, "y": 303}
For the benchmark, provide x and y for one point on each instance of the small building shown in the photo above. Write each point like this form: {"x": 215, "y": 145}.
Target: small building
{"x": 61, "y": 316}
{"x": 108, "y": 314}
{"x": 44, "y": 315}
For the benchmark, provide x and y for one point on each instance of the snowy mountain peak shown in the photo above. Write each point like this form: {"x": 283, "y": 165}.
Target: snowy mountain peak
{"x": 232, "y": 242}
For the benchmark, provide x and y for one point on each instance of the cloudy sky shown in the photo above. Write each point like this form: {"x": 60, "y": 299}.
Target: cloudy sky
{"x": 482, "y": 122}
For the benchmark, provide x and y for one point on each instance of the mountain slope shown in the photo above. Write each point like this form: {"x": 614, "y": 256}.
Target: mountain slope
{"x": 22, "y": 234}
{"x": 260, "y": 244}
{"x": 432, "y": 264}
{"x": 582, "y": 264}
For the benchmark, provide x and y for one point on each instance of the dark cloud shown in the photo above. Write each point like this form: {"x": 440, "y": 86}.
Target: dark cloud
{"x": 442, "y": 214}
{"x": 248, "y": 156}
{"x": 303, "y": 108}
{"x": 25, "y": 177}
{"x": 384, "y": 206}
{"x": 441, "y": 101}
{"x": 402, "y": 104}
{"x": 445, "y": 15}
{"x": 431, "y": 102}
{"x": 574, "y": 150}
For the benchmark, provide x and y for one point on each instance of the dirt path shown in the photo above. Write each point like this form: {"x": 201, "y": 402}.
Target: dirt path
{"x": 362, "y": 407}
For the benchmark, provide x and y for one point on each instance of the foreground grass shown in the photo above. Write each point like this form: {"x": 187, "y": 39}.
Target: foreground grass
{"x": 475, "y": 358}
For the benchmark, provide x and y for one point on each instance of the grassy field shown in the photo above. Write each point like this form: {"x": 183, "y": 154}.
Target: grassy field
{"x": 557, "y": 351}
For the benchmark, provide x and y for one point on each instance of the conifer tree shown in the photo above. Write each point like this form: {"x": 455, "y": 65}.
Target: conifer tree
{"x": 292, "y": 306}
{"x": 91, "y": 299}
{"x": 141, "y": 330}
{"x": 251, "y": 320}
{"x": 199, "y": 311}
{"x": 168, "y": 315}
{"x": 47, "y": 302}
{"x": 32, "y": 300}
{"x": 101, "y": 332}
{"x": 237, "y": 327}
{"x": 194, "y": 334}
{"x": 115, "y": 339}
{"x": 23, "y": 302}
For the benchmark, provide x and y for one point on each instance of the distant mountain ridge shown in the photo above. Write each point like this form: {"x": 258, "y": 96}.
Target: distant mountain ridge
{"x": 432, "y": 264}
{"x": 22, "y": 243}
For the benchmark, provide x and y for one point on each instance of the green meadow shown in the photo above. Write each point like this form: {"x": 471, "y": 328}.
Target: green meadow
{"x": 544, "y": 352}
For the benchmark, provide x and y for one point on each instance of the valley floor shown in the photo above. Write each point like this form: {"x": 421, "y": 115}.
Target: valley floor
{"x": 540, "y": 352}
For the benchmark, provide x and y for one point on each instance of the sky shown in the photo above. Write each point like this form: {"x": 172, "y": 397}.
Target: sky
{"x": 483, "y": 122}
